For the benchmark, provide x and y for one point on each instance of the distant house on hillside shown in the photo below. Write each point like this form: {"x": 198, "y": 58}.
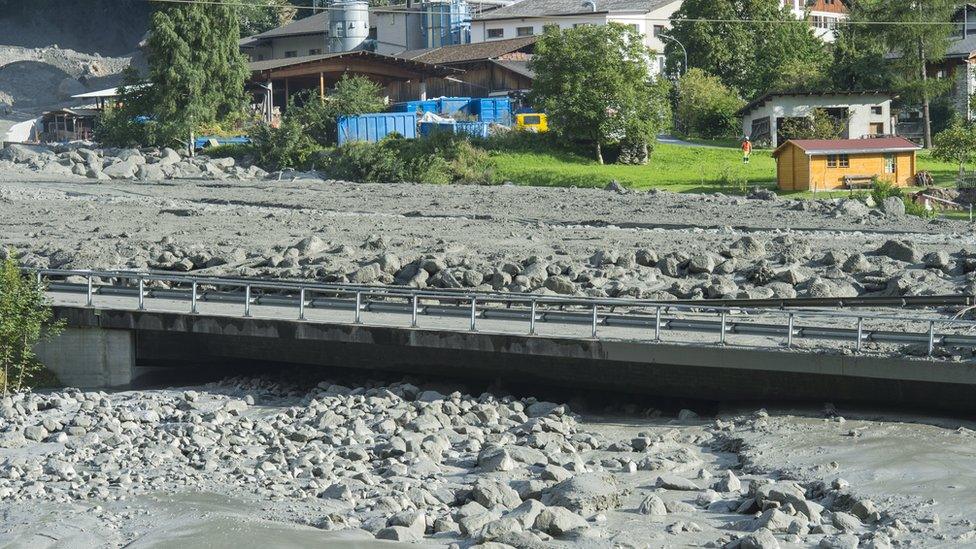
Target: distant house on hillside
{"x": 823, "y": 15}
{"x": 866, "y": 114}
{"x": 531, "y": 17}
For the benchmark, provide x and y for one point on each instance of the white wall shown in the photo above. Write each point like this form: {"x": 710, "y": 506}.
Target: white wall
{"x": 859, "y": 112}
{"x": 302, "y": 45}
{"x": 396, "y": 32}
{"x": 645, "y": 23}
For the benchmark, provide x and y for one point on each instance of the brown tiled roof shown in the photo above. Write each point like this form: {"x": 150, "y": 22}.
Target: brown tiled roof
{"x": 412, "y": 64}
{"x": 851, "y": 146}
{"x": 470, "y": 52}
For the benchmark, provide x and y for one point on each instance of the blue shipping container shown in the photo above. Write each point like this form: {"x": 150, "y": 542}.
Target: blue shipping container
{"x": 373, "y": 127}
{"x": 453, "y": 105}
{"x": 497, "y": 110}
{"x": 472, "y": 129}
{"x": 429, "y": 105}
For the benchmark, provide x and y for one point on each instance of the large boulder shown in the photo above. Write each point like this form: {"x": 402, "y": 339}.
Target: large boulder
{"x": 901, "y": 250}
{"x": 586, "y": 493}
{"x": 125, "y": 169}
{"x": 893, "y": 206}
{"x": 21, "y": 154}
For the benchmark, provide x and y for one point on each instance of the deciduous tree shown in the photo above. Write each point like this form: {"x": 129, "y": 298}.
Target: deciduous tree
{"x": 25, "y": 319}
{"x": 594, "y": 83}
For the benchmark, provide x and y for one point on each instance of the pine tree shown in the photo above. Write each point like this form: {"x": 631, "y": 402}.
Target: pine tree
{"x": 196, "y": 70}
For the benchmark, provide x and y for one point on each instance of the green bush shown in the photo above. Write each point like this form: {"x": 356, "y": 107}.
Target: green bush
{"x": 353, "y": 95}
{"x": 115, "y": 128}
{"x": 287, "y": 146}
{"x": 236, "y": 151}
{"x": 882, "y": 189}
{"x": 706, "y": 107}
{"x": 918, "y": 210}
{"x": 25, "y": 320}
{"x": 732, "y": 180}
{"x": 440, "y": 158}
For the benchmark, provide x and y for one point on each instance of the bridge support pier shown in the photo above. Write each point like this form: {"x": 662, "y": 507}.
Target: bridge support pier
{"x": 91, "y": 358}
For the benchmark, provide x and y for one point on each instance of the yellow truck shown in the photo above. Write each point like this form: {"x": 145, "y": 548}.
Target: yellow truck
{"x": 531, "y": 122}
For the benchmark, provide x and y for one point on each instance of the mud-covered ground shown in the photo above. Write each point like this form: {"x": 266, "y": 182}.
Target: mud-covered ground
{"x": 656, "y": 245}
{"x": 355, "y": 463}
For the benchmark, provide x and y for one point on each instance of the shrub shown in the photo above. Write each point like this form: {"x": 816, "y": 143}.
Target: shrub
{"x": 283, "y": 147}
{"x": 353, "y": 95}
{"x": 706, "y": 107}
{"x": 25, "y": 320}
{"x": 732, "y": 180}
{"x": 238, "y": 152}
{"x": 882, "y": 189}
{"x": 115, "y": 128}
{"x": 916, "y": 209}
{"x": 441, "y": 158}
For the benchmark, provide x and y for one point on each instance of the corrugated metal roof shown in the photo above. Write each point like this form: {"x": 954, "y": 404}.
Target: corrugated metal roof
{"x": 470, "y": 52}
{"x": 851, "y": 146}
{"x": 420, "y": 66}
{"x": 313, "y": 24}
{"x": 535, "y": 8}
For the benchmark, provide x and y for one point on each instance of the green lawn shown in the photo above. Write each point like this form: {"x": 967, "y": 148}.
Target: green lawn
{"x": 672, "y": 167}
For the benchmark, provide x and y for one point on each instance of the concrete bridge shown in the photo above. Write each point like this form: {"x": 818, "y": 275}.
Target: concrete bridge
{"x": 120, "y": 325}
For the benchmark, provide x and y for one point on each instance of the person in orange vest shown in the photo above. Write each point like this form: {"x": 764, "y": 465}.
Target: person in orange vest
{"x": 746, "y": 149}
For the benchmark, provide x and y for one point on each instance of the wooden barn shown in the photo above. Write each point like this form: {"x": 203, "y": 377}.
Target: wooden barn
{"x": 489, "y": 68}
{"x": 828, "y": 164}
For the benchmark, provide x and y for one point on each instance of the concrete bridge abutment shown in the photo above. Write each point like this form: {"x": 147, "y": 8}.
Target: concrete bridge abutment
{"x": 91, "y": 357}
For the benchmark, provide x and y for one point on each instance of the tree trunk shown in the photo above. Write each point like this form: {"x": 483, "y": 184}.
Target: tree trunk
{"x": 926, "y": 118}
{"x": 599, "y": 153}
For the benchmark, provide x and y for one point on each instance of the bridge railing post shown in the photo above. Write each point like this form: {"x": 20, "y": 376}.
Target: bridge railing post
{"x": 358, "y": 318}
{"x": 657, "y": 323}
{"x": 142, "y": 294}
{"x": 789, "y": 332}
{"x": 594, "y": 322}
{"x": 532, "y": 312}
{"x": 301, "y": 304}
{"x": 413, "y": 311}
{"x": 89, "y": 297}
{"x": 721, "y": 338}
{"x": 931, "y": 338}
{"x": 247, "y": 301}
{"x": 474, "y": 314}
{"x": 860, "y": 334}
{"x": 193, "y": 298}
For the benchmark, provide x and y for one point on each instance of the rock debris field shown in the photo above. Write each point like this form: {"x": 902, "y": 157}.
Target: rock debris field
{"x": 401, "y": 462}
{"x": 154, "y": 209}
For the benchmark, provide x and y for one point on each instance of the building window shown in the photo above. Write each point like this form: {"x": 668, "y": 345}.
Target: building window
{"x": 524, "y": 31}
{"x": 658, "y": 30}
{"x": 496, "y": 33}
{"x": 634, "y": 27}
{"x": 315, "y": 51}
{"x": 292, "y": 53}
{"x": 889, "y": 163}
{"x": 877, "y": 110}
{"x": 838, "y": 160}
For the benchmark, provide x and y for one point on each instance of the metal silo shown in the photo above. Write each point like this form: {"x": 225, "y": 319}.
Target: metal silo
{"x": 446, "y": 23}
{"x": 348, "y": 25}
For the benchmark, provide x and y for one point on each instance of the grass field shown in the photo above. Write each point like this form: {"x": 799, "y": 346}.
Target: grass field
{"x": 673, "y": 167}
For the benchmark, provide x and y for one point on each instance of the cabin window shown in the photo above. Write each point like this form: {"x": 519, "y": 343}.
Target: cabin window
{"x": 289, "y": 54}
{"x": 889, "y": 163}
{"x": 315, "y": 51}
{"x": 838, "y": 160}
{"x": 523, "y": 31}
{"x": 496, "y": 33}
{"x": 877, "y": 110}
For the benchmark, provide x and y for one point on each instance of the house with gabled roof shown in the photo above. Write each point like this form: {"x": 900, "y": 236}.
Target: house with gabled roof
{"x": 828, "y": 164}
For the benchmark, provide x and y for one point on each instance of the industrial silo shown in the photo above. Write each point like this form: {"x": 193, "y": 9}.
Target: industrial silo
{"x": 446, "y": 23}
{"x": 348, "y": 25}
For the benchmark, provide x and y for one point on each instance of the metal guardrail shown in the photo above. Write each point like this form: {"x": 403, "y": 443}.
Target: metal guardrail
{"x": 657, "y": 317}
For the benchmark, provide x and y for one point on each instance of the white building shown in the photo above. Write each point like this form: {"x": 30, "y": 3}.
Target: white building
{"x": 530, "y": 17}
{"x": 824, "y": 15}
{"x": 868, "y": 114}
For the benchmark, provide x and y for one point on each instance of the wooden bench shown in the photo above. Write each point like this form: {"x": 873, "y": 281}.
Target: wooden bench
{"x": 856, "y": 181}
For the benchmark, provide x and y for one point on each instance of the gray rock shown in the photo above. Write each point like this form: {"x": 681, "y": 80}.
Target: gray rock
{"x": 490, "y": 493}
{"x": 121, "y": 170}
{"x": 936, "y": 260}
{"x": 760, "y": 539}
{"x": 646, "y": 257}
{"x": 398, "y": 533}
{"x": 845, "y": 521}
{"x": 856, "y": 263}
{"x": 560, "y": 285}
{"x": 652, "y": 505}
{"x": 559, "y": 521}
{"x": 366, "y": 274}
{"x": 842, "y": 541}
{"x": 701, "y": 263}
{"x": 893, "y": 206}
{"x": 586, "y": 493}
{"x": 150, "y": 172}
{"x": 671, "y": 481}
{"x": 36, "y": 433}
{"x": 728, "y": 482}
{"x": 900, "y": 250}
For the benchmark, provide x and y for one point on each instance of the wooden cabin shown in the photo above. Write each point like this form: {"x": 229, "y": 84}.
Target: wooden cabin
{"x": 829, "y": 164}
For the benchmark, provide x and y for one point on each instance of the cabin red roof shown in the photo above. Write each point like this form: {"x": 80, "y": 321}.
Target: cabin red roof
{"x": 851, "y": 146}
